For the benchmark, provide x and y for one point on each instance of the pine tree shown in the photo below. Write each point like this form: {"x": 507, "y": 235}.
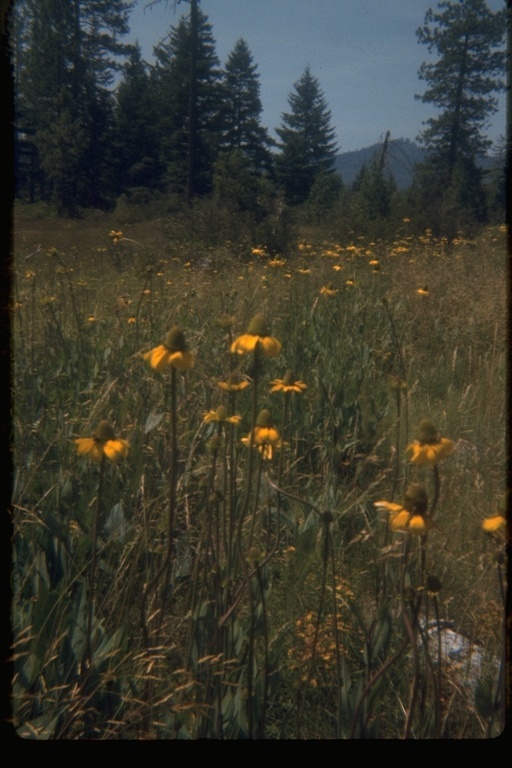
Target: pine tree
{"x": 242, "y": 109}
{"x": 307, "y": 145}
{"x": 187, "y": 84}
{"x": 136, "y": 116}
{"x": 467, "y": 38}
{"x": 67, "y": 58}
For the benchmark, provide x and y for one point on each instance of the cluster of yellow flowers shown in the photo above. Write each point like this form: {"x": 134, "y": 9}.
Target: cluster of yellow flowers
{"x": 412, "y": 515}
{"x": 175, "y": 353}
{"x": 115, "y": 236}
{"x": 429, "y": 448}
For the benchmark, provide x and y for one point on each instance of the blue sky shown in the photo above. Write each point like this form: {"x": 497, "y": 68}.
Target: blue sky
{"x": 364, "y": 54}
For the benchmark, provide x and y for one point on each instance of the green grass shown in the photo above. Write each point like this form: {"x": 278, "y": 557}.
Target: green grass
{"x": 224, "y": 608}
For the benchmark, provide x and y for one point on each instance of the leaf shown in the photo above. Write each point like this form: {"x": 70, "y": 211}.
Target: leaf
{"x": 116, "y": 525}
{"x": 152, "y": 421}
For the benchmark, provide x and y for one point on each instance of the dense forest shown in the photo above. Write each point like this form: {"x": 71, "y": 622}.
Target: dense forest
{"x": 98, "y": 128}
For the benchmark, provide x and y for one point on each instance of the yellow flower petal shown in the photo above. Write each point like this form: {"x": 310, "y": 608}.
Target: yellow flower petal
{"x": 419, "y": 525}
{"x": 182, "y": 361}
{"x": 244, "y": 344}
{"x": 430, "y": 453}
{"x": 389, "y": 506}
{"x": 271, "y": 347}
{"x": 115, "y": 449}
{"x": 158, "y": 357}
{"x": 493, "y": 524}
{"x": 88, "y": 446}
{"x": 398, "y": 521}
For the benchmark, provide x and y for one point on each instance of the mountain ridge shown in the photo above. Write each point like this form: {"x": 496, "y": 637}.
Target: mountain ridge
{"x": 401, "y": 157}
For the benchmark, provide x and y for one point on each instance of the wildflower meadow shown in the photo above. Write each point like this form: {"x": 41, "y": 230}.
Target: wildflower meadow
{"x": 257, "y": 494}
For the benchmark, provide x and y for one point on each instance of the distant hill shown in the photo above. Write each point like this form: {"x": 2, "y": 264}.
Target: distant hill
{"x": 402, "y": 155}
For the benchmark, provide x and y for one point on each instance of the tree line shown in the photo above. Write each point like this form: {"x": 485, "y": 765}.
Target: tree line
{"x": 95, "y": 123}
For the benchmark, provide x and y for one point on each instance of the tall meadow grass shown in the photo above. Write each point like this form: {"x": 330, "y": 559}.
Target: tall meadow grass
{"x": 229, "y": 574}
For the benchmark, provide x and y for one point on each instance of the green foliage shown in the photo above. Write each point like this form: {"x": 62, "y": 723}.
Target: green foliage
{"x": 135, "y": 141}
{"x": 374, "y": 202}
{"x": 234, "y": 184}
{"x": 468, "y": 39}
{"x": 242, "y": 109}
{"x": 325, "y": 193}
{"x": 188, "y": 106}
{"x": 63, "y": 105}
{"x": 307, "y": 144}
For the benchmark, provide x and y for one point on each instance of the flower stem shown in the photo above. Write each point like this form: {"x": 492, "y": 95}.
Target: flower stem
{"x": 92, "y": 574}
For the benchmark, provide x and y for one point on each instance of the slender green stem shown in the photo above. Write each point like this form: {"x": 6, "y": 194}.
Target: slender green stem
{"x": 256, "y": 495}
{"x": 402, "y": 364}
{"x": 248, "y": 488}
{"x": 437, "y": 489}
{"x": 265, "y": 651}
{"x": 301, "y": 702}
{"x": 254, "y": 416}
{"x": 439, "y": 668}
{"x": 412, "y": 639}
{"x": 339, "y": 679}
{"x": 92, "y": 574}
{"x": 166, "y": 565}
{"x": 173, "y": 476}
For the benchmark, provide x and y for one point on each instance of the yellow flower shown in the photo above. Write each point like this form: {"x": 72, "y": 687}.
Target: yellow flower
{"x": 102, "y": 444}
{"x": 419, "y": 525}
{"x": 288, "y": 384}
{"x": 430, "y": 447}
{"x": 397, "y": 383}
{"x": 234, "y": 383}
{"x": 257, "y": 334}
{"x": 494, "y": 524}
{"x": 327, "y": 290}
{"x": 350, "y": 281}
{"x": 173, "y": 352}
{"x": 265, "y": 436}
{"x": 115, "y": 235}
{"x": 423, "y": 291}
{"x": 411, "y": 516}
{"x": 221, "y": 416}
{"x": 277, "y": 263}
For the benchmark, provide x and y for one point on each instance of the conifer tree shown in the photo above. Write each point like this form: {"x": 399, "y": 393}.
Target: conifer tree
{"x": 242, "y": 109}
{"x": 307, "y": 140}
{"x": 467, "y": 38}
{"x": 188, "y": 93}
{"x": 136, "y": 146}
{"x": 66, "y": 62}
